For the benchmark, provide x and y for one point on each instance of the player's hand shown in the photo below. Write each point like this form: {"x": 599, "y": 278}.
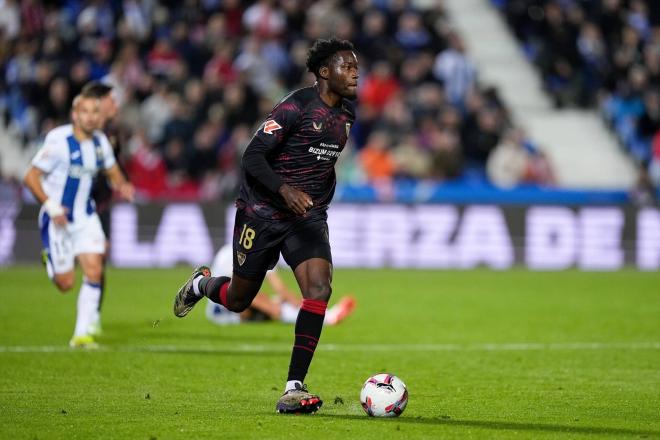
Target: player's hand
{"x": 56, "y": 212}
{"x": 127, "y": 191}
{"x": 297, "y": 201}
{"x": 60, "y": 220}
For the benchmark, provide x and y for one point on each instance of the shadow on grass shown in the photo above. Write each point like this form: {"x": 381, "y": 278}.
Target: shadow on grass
{"x": 512, "y": 426}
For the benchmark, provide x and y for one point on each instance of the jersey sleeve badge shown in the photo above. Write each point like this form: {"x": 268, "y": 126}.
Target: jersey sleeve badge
{"x": 271, "y": 126}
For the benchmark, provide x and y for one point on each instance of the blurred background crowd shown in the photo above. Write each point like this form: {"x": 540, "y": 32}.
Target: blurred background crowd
{"x": 603, "y": 54}
{"x": 195, "y": 77}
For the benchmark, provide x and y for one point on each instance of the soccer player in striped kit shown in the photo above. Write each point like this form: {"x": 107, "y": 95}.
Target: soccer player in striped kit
{"x": 60, "y": 178}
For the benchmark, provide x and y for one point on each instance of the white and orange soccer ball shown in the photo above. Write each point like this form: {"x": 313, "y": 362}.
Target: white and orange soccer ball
{"x": 384, "y": 395}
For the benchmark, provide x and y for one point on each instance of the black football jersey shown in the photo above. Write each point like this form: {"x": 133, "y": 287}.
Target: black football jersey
{"x": 301, "y": 140}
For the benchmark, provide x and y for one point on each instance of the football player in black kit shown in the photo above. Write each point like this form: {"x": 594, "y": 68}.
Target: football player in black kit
{"x": 101, "y": 189}
{"x": 288, "y": 183}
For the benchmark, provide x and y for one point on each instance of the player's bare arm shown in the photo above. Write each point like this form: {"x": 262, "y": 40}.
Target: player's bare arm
{"x": 298, "y": 201}
{"x": 255, "y": 163}
{"x": 119, "y": 182}
{"x": 54, "y": 209}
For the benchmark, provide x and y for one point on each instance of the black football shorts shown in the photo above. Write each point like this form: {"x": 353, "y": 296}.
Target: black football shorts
{"x": 104, "y": 216}
{"x": 258, "y": 242}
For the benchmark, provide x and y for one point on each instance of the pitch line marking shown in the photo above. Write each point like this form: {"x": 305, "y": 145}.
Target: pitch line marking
{"x": 262, "y": 348}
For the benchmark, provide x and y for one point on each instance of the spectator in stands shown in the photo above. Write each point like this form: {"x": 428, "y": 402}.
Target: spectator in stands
{"x": 649, "y": 122}
{"x": 654, "y": 166}
{"x": 374, "y": 40}
{"x": 146, "y": 168}
{"x": 240, "y": 105}
{"x": 376, "y": 158}
{"x": 156, "y": 111}
{"x": 55, "y": 110}
{"x": 204, "y": 151}
{"x": 410, "y": 160}
{"x": 181, "y": 123}
{"x": 559, "y": 59}
{"x": 135, "y": 24}
{"x": 10, "y": 19}
{"x": 162, "y": 59}
{"x": 425, "y": 100}
{"x": 396, "y": 118}
{"x": 592, "y": 48}
{"x": 379, "y": 86}
{"x": 264, "y": 19}
{"x": 516, "y": 160}
{"x": 220, "y": 68}
{"x": 411, "y": 34}
{"x": 646, "y": 126}
{"x": 253, "y": 65}
{"x": 80, "y": 74}
{"x": 446, "y": 156}
{"x": 480, "y": 135}
{"x": 454, "y": 68}
{"x": 41, "y": 85}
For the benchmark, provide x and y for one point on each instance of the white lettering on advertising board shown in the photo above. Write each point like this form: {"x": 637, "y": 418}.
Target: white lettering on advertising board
{"x": 182, "y": 237}
{"x": 419, "y": 236}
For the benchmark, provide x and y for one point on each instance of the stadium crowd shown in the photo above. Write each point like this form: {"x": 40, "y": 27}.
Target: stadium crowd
{"x": 194, "y": 77}
{"x": 603, "y": 53}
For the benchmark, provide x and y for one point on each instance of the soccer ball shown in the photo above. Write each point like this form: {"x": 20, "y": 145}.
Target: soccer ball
{"x": 384, "y": 395}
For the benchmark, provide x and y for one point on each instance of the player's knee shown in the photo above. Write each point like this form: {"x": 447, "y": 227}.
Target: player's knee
{"x": 64, "y": 284}
{"x": 93, "y": 274}
{"x": 319, "y": 291}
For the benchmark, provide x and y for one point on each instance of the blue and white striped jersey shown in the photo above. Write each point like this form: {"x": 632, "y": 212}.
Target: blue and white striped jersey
{"x": 70, "y": 166}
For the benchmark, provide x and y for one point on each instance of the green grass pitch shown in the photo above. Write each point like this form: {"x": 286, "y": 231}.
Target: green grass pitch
{"x": 485, "y": 354}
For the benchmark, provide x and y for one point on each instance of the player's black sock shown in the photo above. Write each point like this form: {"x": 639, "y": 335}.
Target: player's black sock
{"x": 215, "y": 289}
{"x": 308, "y": 331}
{"x": 102, "y": 283}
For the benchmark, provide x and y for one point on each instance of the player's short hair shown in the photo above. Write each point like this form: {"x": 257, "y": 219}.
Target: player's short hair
{"x": 76, "y": 101}
{"x": 95, "y": 89}
{"x": 79, "y": 97}
{"x": 321, "y": 52}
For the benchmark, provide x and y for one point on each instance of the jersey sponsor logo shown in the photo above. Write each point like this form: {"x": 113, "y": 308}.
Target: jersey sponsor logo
{"x": 323, "y": 153}
{"x": 318, "y": 126}
{"x": 240, "y": 256}
{"x": 271, "y": 126}
{"x": 75, "y": 155}
{"x": 76, "y": 171}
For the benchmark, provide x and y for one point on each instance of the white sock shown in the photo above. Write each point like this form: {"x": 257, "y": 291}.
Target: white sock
{"x": 96, "y": 317}
{"x": 331, "y": 315}
{"x": 88, "y": 305}
{"x": 288, "y": 313}
{"x": 291, "y": 385}
{"x": 196, "y": 286}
